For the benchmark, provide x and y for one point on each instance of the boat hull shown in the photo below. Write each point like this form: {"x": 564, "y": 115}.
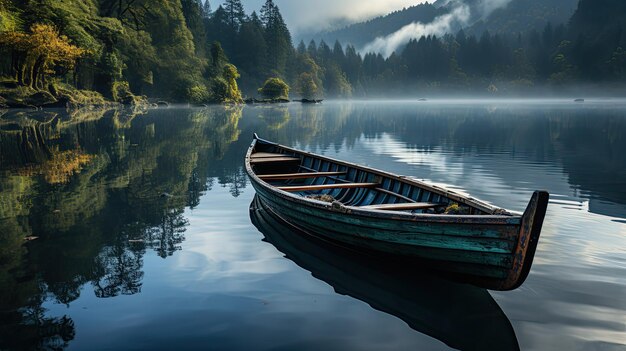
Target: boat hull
{"x": 495, "y": 251}
{"x": 462, "y": 316}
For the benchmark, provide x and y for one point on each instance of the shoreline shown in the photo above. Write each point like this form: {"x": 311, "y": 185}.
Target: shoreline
{"x": 460, "y": 100}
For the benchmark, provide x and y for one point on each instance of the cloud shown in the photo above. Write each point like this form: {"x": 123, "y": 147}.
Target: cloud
{"x": 442, "y": 24}
{"x": 486, "y": 7}
{"x": 460, "y": 16}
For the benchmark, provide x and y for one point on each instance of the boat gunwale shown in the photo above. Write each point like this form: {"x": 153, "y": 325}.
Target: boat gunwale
{"x": 510, "y": 218}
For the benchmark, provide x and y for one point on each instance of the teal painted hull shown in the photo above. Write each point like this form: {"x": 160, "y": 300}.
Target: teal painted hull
{"x": 462, "y": 316}
{"x": 494, "y": 247}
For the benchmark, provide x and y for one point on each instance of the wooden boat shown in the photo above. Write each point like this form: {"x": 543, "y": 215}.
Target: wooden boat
{"x": 462, "y": 316}
{"x": 395, "y": 215}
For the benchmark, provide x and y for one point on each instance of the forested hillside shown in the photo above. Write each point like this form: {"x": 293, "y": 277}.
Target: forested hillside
{"x": 65, "y": 52}
{"x": 525, "y": 15}
{"x": 510, "y": 17}
{"x": 115, "y": 47}
{"x": 590, "y": 50}
{"x": 173, "y": 49}
{"x": 360, "y": 34}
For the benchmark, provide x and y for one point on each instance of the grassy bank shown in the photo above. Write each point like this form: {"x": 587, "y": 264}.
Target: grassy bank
{"x": 13, "y": 95}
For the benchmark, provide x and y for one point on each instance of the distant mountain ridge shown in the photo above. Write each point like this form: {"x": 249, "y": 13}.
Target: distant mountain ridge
{"x": 359, "y": 34}
{"x": 515, "y": 16}
{"x": 526, "y": 15}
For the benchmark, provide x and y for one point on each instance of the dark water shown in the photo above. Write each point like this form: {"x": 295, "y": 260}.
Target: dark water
{"x": 145, "y": 241}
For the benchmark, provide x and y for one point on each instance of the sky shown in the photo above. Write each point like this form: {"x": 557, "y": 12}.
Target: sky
{"x": 314, "y": 15}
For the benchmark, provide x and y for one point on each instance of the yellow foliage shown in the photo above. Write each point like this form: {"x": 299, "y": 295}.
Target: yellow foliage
{"x": 231, "y": 75}
{"x": 61, "y": 167}
{"x": 64, "y": 165}
{"x": 42, "y": 50}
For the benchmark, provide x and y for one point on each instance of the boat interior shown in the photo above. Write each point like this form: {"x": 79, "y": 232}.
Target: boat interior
{"x": 317, "y": 178}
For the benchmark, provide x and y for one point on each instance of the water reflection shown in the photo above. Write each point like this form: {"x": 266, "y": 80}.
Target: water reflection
{"x": 108, "y": 193}
{"x": 583, "y": 144}
{"x": 97, "y": 190}
{"x": 461, "y": 316}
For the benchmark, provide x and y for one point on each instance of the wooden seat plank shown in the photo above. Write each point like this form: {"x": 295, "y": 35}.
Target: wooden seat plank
{"x": 300, "y": 175}
{"x": 402, "y": 207}
{"x": 274, "y": 160}
{"x": 329, "y": 186}
{"x": 268, "y": 155}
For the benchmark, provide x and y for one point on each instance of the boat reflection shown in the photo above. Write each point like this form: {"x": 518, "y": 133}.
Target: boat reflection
{"x": 462, "y": 316}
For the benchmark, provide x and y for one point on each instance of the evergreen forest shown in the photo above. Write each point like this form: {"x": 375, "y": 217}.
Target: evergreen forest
{"x": 64, "y": 52}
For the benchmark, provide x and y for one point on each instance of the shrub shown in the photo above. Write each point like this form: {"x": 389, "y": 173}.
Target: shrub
{"x": 198, "y": 94}
{"x": 275, "y": 88}
{"x": 121, "y": 93}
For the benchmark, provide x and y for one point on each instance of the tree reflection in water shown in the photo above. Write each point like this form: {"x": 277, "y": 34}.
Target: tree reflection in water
{"x": 29, "y": 328}
{"x": 117, "y": 272}
{"x": 166, "y": 238}
{"x": 98, "y": 216}
{"x": 236, "y": 182}
{"x": 130, "y": 178}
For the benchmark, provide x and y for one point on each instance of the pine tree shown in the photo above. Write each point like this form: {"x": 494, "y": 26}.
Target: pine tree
{"x": 218, "y": 58}
{"x": 268, "y": 12}
{"x": 234, "y": 13}
{"x": 323, "y": 52}
{"x": 278, "y": 39}
{"x": 301, "y": 48}
{"x": 219, "y": 29}
{"x": 206, "y": 9}
{"x": 250, "y": 52}
{"x": 194, "y": 13}
{"x": 312, "y": 49}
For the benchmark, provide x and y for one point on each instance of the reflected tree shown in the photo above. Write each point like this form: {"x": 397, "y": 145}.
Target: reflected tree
{"x": 119, "y": 272}
{"x": 166, "y": 238}
{"x": 197, "y": 187}
{"x": 97, "y": 219}
{"x": 276, "y": 118}
{"x": 29, "y": 328}
{"x": 235, "y": 181}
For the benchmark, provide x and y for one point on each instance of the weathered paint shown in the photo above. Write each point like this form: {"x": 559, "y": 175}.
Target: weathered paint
{"x": 492, "y": 243}
{"x": 462, "y": 316}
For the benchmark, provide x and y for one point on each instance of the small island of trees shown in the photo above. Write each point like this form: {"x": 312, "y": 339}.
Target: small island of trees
{"x": 275, "y": 89}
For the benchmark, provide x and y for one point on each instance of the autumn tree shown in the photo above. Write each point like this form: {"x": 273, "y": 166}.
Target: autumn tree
{"x": 231, "y": 75}
{"x": 225, "y": 88}
{"x": 40, "y": 54}
{"x": 8, "y": 16}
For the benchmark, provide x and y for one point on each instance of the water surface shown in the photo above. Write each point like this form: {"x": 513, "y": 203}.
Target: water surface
{"x": 144, "y": 238}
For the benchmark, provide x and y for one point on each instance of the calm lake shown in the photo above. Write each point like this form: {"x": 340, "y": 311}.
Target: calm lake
{"x": 142, "y": 236}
